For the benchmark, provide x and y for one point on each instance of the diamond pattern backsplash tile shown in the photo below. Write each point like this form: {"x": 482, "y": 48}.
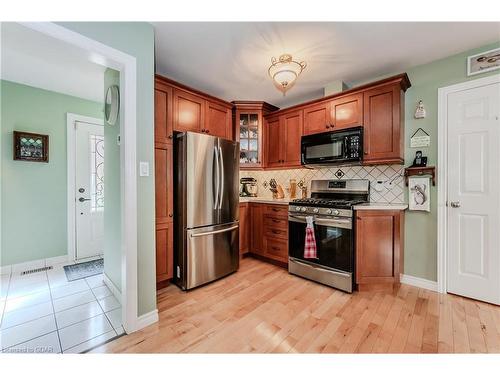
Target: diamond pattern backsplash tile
{"x": 389, "y": 177}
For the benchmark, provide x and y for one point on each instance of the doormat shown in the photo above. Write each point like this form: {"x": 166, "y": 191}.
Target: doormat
{"x": 82, "y": 270}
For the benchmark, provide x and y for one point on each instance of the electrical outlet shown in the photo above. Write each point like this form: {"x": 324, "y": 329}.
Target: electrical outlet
{"x": 378, "y": 186}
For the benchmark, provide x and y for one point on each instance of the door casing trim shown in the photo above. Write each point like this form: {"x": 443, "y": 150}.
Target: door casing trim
{"x": 71, "y": 119}
{"x": 442, "y": 170}
{"x": 126, "y": 64}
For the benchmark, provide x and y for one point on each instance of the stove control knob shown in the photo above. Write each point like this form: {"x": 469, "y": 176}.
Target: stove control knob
{"x": 297, "y": 208}
{"x": 336, "y": 212}
{"x": 303, "y": 209}
{"x": 315, "y": 210}
{"x": 328, "y": 211}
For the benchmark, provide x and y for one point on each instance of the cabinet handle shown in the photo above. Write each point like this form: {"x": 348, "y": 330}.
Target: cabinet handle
{"x": 170, "y": 215}
{"x": 366, "y": 152}
{"x": 327, "y": 126}
{"x": 206, "y": 131}
{"x": 276, "y": 231}
{"x": 275, "y": 248}
{"x": 170, "y": 136}
{"x": 275, "y": 209}
{"x": 276, "y": 221}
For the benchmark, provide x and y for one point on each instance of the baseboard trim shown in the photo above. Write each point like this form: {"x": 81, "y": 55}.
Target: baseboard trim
{"x": 419, "y": 282}
{"x": 38, "y": 263}
{"x": 6, "y": 270}
{"x": 147, "y": 319}
{"x": 116, "y": 292}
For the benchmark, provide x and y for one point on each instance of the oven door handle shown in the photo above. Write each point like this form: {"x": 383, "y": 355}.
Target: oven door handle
{"x": 339, "y": 223}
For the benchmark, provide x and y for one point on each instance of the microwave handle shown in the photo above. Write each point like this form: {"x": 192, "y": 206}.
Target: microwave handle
{"x": 347, "y": 151}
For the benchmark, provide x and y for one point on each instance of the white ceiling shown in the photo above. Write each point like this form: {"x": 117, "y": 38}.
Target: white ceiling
{"x": 230, "y": 60}
{"x": 34, "y": 59}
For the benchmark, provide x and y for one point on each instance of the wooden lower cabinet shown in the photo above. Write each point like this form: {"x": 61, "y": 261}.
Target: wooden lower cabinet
{"x": 379, "y": 247}
{"x": 256, "y": 228}
{"x": 244, "y": 228}
{"x": 164, "y": 252}
{"x": 164, "y": 217}
{"x": 269, "y": 232}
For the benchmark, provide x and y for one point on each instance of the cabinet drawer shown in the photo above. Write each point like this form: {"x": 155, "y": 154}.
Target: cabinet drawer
{"x": 277, "y": 210}
{"x": 276, "y": 248}
{"x": 277, "y": 233}
{"x": 275, "y": 222}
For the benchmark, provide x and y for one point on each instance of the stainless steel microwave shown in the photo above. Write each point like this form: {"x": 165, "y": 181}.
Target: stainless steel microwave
{"x": 339, "y": 147}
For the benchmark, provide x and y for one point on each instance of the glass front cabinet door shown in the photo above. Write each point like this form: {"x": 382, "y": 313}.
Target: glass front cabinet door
{"x": 248, "y": 123}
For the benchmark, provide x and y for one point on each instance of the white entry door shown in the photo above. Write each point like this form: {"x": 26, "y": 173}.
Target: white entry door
{"x": 89, "y": 194}
{"x": 473, "y": 264}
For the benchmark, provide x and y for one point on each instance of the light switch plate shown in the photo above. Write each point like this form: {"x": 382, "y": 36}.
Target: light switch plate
{"x": 143, "y": 169}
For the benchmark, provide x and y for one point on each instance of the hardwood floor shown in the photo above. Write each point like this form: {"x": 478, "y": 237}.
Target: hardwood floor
{"x": 262, "y": 308}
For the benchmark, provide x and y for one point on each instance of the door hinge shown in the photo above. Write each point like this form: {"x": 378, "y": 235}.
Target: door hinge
{"x": 178, "y": 272}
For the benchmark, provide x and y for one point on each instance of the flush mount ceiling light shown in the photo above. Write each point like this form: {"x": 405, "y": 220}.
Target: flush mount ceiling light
{"x": 285, "y": 71}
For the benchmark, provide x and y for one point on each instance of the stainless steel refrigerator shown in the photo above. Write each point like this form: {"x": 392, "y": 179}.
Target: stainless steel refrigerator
{"x": 206, "y": 201}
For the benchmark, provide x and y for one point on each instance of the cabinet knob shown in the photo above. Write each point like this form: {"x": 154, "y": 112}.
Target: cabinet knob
{"x": 327, "y": 126}
{"x": 203, "y": 130}
{"x": 206, "y": 131}
{"x": 366, "y": 152}
{"x": 170, "y": 215}
{"x": 170, "y": 136}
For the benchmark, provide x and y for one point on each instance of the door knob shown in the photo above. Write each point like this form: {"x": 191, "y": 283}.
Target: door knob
{"x": 82, "y": 199}
{"x": 455, "y": 204}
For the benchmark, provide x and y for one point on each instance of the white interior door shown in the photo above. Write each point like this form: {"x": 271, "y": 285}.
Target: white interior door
{"x": 89, "y": 186}
{"x": 473, "y": 264}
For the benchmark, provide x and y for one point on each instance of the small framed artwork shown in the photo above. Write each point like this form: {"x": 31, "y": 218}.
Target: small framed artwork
{"x": 483, "y": 62}
{"x": 31, "y": 147}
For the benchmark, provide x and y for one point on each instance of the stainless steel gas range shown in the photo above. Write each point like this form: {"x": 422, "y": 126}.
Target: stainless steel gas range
{"x": 331, "y": 207}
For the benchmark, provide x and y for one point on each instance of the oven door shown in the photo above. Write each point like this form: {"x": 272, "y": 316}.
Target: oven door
{"x": 334, "y": 241}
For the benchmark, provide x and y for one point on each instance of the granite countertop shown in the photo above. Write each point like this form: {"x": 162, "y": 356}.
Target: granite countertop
{"x": 264, "y": 200}
{"x": 381, "y": 206}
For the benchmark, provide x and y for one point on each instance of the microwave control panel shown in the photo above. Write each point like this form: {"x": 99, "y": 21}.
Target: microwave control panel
{"x": 354, "y": 146}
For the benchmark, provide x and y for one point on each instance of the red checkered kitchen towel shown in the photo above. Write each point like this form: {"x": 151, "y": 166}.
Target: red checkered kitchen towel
{"x": 310, "y": 251}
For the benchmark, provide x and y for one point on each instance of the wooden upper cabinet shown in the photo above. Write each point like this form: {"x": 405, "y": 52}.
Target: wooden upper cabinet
{"x": 249, "y": 131}
{"x": 291, "y": 133}
{"x": 163, "y": 115}
{"x": 383, "y": 125}
{"x": 283, "y": 134}
{"x": 274, "y": 143}
{"x": 218, "y": 120}
{"x": 163, "y": 184}
{"x": 189, "y": 111}
{"x": 379, "y": 241}
{"x": 346, "y": 112}
{"x": 317, "y": 118}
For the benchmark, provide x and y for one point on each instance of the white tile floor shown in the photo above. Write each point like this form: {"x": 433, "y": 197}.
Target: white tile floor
{"x": 44, "y": 313}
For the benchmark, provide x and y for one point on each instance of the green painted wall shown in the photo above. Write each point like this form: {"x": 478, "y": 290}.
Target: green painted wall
{"x": 420, "y": 227}
{"x": 112, "y": 193}
{"x": 34, "y": 194}
{"x": 137, "y": 39}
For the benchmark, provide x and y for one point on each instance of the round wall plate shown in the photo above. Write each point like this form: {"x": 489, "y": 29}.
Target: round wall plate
{"x": 112, "y": 105}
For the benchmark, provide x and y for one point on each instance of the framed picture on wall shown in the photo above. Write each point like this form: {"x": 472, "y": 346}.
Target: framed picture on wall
{"x": 31, "y": 147}
{"x": 483, "y": 62}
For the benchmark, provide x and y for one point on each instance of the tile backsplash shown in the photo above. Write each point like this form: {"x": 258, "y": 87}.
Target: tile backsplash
{"x": 391, "y": 192}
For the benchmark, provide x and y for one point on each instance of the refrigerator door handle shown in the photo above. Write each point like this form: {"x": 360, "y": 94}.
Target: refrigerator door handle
{"x": 230, "y": 229}
{"x": 217, "y": 180}
{"x": 222, "y": 177}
